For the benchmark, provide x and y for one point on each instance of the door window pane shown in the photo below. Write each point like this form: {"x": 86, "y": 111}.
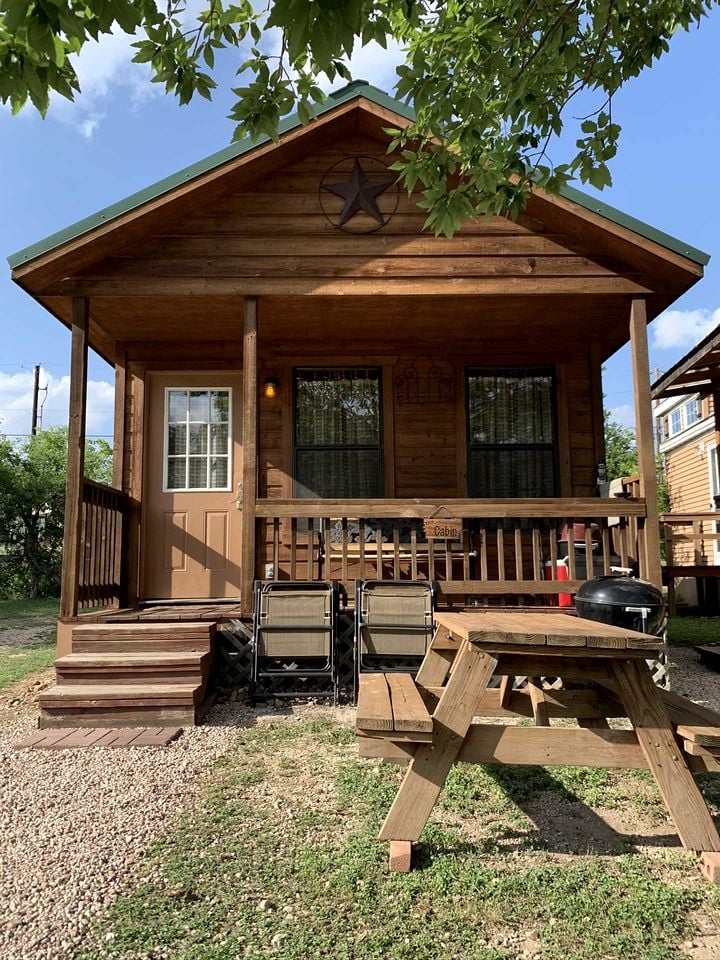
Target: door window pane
{"x": 176, "y": 473}
{"x": 511, "y": 427}
{"x": 198, "y": 438}
{"x": 197, "y": 450}
{"x": 177, "y": 405}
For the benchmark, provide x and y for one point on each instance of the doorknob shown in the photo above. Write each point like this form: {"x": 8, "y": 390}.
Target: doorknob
{"x": 239, "y": 498}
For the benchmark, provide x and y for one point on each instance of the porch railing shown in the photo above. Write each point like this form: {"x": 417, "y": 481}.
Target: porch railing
{"x": 505, "y": 548}
{"x": 104, "y": 516}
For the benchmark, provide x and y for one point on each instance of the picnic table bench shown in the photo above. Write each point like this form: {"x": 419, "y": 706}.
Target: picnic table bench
{"x": 437, "y": 718}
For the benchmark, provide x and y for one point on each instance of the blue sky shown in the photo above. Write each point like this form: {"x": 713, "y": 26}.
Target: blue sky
{"x": 123, "y": 133}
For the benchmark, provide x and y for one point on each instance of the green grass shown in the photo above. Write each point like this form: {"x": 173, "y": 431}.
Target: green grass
{"x": 26, "y": 609}
{"x": 258, "y": 836}
{"x": 692, "y": 631}
{"x": 18, "y": 662}
{"x": 27, "y": 653}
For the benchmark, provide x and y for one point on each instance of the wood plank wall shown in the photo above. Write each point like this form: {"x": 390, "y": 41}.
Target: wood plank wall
{"x": 275, "y": 236}
{"x": 428, "y": 450}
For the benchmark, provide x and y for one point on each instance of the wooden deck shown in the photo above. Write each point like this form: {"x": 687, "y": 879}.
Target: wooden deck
{"x": 164, "y": 613}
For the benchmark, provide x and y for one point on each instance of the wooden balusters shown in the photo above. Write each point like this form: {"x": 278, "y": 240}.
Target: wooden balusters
{"x": 537, "y": 551}
{"x": 495, "y": 557}
{"x": 103, "y": 513}
{"x": 606, "y": 547}
{"x": 589, "y": 546}
{"x": 622, "y": 542}
{"x": 361, "y": 526}
{"x": 413, "y": 550}
{"x": 500, "y": 536}
{"x": 518, "y": 551}
{"x": 276, "y": 549}
{"x": 570, "y": 527}
{"x": 553, "y": 545}
{"x": 482, "y": 549}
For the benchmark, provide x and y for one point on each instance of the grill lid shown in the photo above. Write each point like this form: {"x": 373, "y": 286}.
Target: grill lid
{"x": 613, "y": 591}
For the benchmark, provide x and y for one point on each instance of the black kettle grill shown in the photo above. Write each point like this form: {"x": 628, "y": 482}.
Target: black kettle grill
{"x": 622, "y": 602}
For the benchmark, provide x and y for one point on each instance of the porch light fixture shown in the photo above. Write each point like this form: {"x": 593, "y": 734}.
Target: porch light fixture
{"x": 270, "y": 389}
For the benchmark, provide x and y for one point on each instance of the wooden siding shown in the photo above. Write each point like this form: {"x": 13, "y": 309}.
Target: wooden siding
{"x": 274, "y": 235}
{"x": 689, "y": 488}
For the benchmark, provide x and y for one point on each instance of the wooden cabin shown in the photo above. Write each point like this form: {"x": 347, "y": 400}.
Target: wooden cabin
{"x": 305, "y": 380}
{"x": 687, "y": 413}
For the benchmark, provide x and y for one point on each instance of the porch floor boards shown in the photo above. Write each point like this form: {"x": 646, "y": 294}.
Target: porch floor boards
{"x": 164, "y": 613}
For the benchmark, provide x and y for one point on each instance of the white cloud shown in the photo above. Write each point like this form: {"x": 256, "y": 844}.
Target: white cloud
{"x": 16, "y": 402}
{"x": 376, "y": 65}
{"x": 104, "y": 68}
{"x": 624, "y": 415}
{"x": 683, "y": 328}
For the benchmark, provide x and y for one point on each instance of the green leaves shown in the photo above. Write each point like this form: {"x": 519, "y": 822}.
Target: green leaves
{"x": 491, "y": 81}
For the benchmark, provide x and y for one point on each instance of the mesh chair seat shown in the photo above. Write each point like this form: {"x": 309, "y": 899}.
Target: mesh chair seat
{"x": 394, "y": 622}
{"x": 294, "y": 630}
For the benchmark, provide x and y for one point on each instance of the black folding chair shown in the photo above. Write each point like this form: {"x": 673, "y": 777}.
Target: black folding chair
{"x": 294, "y": 640}
{"x": 393, "y": 624}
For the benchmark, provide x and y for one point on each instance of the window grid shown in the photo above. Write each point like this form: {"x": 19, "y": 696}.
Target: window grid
{"x": 506, "y": 450}
{"x": 675, "y": 421}
{"x": 692, "y": 412}
{"x": 197, "y": 439}
{"x": 338, "y": 432}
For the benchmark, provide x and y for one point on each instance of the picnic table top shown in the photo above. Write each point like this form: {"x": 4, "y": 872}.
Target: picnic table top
{"x": 493, "y": 629}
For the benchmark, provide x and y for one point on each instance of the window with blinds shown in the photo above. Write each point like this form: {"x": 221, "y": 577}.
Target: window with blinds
{"x": 512, "y": 433}
{"x": 338, "y": 433}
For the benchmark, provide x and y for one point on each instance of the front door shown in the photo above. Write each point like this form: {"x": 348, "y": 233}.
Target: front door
{"x": 193, "y": 457}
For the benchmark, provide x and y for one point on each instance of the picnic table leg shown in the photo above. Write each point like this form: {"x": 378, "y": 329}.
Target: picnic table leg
{"x": 431, "y": 763}
{"x": 682, "y": 797}
{"x": 436, "y": 664}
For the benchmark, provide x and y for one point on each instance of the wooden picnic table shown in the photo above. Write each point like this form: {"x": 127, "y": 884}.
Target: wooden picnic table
{"x": 430, "y": 721}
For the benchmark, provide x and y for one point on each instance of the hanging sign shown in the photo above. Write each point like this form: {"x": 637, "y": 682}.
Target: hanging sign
{"x": 442, "y": 528}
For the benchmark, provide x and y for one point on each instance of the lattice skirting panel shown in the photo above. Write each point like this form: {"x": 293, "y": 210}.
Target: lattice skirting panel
{"x": 232, "y": 666}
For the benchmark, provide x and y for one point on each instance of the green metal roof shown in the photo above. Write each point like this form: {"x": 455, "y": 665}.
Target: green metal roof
{"x": 356, "y": 89}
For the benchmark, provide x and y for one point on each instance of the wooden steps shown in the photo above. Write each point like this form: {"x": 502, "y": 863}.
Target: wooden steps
{"x": 130, "y": 674}
{"x": 134, "y": 667}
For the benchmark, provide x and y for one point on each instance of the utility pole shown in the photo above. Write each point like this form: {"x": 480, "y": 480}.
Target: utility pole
{"x": 36, "y": 392}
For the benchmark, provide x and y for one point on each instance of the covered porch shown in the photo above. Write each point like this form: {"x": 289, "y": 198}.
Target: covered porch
{"x": 506, "y": 551}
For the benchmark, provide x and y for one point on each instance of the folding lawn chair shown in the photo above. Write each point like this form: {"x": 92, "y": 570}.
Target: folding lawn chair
{"x": 294, "y": 640}
{"x": 393, "y": 624}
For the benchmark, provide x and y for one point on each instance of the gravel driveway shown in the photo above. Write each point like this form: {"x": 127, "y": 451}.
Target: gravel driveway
{"x": 75, "y": 823}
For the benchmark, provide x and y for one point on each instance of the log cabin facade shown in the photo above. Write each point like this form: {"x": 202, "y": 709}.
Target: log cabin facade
{"x": 297, "y": 393}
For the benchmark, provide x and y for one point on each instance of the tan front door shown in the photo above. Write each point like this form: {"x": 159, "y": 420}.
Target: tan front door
{"x": 193, "y": 458}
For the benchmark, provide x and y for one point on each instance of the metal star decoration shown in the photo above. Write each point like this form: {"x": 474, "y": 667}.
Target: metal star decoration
{"x": 359, "y": 193}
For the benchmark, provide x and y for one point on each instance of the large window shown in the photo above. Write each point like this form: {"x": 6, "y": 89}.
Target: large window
{"x": 197, "y": 439}
{"x": 338, "y": 433}
{"x": 511, "y": 420}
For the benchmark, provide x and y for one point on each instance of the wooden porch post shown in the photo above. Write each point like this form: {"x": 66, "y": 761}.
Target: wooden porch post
{"x": 645, "y": 439}
{"x": 70, "y": 578}
{"x": 249, "y": 472}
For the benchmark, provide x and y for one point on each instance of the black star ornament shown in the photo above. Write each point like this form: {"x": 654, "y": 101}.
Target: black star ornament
{"x": 359, "y": 193}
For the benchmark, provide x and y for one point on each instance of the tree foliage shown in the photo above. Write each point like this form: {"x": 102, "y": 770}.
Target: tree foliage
{"x": 620, "y": 449}
{"x": 490, "y": 80}
{"x": 32, "y": 503}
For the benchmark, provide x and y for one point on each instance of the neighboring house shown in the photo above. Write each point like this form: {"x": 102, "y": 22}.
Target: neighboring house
{"x": 687, "y": 429}
{"x": 304, "y": 376}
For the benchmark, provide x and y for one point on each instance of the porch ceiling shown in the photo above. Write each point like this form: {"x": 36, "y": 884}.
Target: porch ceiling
{"x": 382, "y": 323}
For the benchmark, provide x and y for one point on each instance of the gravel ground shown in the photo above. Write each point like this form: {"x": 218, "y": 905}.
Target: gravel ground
{"x": 74, "y": 824}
